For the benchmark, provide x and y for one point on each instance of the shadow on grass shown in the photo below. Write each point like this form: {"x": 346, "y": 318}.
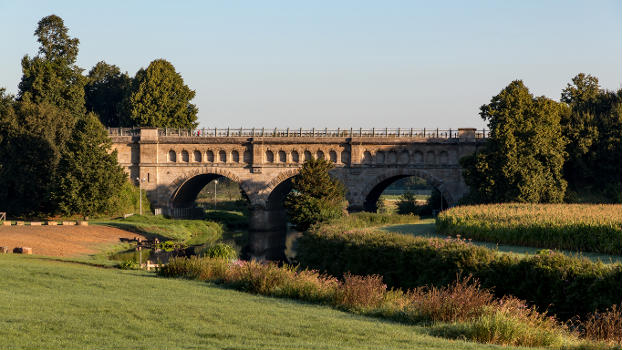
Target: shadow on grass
{"x": 135, "y": 229}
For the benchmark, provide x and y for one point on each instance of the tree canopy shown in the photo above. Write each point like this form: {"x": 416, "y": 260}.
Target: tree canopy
{"x": 105, "y": 92}
{"x": 53, "y": 156}
{"x": 593, "y": 130}
{"x": 88, "y": 173}
{"x": 52, "y": 76}
{"x": 161, "y": 99}
{"x": 523, "y": 158}
{"x": 315, "y": 195}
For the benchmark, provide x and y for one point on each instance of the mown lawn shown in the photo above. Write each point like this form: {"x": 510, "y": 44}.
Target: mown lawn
{"x": 427, "y": 228}
{"x": 51, "y": 304}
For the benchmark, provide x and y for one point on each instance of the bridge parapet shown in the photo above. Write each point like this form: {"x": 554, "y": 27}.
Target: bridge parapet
{"x": 424, "y": 133}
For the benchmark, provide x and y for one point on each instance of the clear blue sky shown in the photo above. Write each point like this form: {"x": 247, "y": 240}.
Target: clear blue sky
{"x": 337, "y": 63}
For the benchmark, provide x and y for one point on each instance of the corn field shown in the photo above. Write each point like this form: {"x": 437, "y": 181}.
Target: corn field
{"x": 578, "y": 227}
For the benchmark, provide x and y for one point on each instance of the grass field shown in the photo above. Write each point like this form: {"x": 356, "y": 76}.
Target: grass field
{"x": 579, "y": 227}
{"x": 191, "y": 232}
{"x": 427, "y": 228}
{"x": 50, "y": 304}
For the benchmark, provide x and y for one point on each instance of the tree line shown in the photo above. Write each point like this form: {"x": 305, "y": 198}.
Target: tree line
{"x": 543, "y": 151}
{"x": 55, "y": 153}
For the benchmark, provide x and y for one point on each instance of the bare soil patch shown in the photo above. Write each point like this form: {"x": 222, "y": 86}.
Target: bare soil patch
{"x": 62, "y": 240}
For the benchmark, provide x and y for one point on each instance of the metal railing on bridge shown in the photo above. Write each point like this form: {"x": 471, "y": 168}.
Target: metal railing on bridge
{"x": 263, "y": 132}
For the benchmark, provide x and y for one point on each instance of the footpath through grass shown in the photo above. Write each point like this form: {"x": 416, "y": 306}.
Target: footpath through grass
{"x": 49, "y": 304}
{"x": 427, "y": 228}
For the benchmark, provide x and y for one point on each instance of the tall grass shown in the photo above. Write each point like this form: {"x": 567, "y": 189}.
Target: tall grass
{"x": 579, "y": 227}
{"x": 463, "y": 307}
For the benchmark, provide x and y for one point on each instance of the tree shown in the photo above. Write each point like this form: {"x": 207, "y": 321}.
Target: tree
{"x": 523, "y": 158}
{"x": 315, "y": 195}
{"x": 161, "y": 99}
{"x": 52, "y": 76}
{"x": 593, "y": 130}
{"x": 105, "y": 92}
{"x": 89, "y": 176}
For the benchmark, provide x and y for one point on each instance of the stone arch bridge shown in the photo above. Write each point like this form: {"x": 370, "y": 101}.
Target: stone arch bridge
{"x": 176, "y": 164}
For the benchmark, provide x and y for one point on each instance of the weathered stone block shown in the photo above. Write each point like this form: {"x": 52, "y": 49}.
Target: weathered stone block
{"x": 19, "y": 223}
{"x": 35, "y": 223}
{"x": 69, "y": 223}
{"x": 7, "y": 223}
{"x": 83, "y": 223}
{"x": 23, "y": 250}
{"x": 52, "y": 223}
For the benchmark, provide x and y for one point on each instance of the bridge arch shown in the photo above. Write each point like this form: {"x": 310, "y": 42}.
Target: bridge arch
{"x": 374, "y": 187}
{"x": 185, "y": 189}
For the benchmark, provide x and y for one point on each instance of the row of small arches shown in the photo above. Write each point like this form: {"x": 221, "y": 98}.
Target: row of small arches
{"x": 380, "y": 157}
{"x": 404, "y": 157}
{"x": 209, "y": 156}
{"x": 296, "y": 157}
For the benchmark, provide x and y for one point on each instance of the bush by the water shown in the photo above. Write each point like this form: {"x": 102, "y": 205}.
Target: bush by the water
{"x": 565, "y": 286}
{"x": 463, "y": 308}
{"x": 579, "y": 227}
{"x": 219, "y": 251}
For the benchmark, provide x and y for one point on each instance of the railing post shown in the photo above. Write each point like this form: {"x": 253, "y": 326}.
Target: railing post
{"x": 287, "y": 132}
{"x": 436, "y": 132}
{"x": 274, "y": 133}
{"x": 313, "y": 131}
{"x": 386, "y": 132}
{"x": 338, "y": 131}
{"x": 215, "y": 133}
{"x": 424, "y": 132}
{"x": 398, "y": 132}
{"x": 350, "y": 132}
{"x": 449, "y": 133}
{"x": 360, "y": 132}
{"x": 411, "y": 132}
{"x": 227, "y": 131}
{"x": 262, "y": 132}
{"x": 373, "y": 132}
{"x": 253, "y": 132}
{"x": 300, "y": 132}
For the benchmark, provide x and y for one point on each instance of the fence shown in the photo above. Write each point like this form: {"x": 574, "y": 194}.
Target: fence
{"x": 263, "y": 132}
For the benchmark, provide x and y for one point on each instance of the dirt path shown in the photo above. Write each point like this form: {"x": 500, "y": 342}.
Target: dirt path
{"x": 61, "y": 241}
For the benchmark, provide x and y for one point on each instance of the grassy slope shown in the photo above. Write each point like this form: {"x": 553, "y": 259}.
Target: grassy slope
{"x": 189, "y": 231}
{"x": 49, "y": 304}
{"x": 426, "y": 228}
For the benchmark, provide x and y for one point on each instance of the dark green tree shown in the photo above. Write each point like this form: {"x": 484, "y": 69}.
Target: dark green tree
{"x": 523, "y": 158}
{"x": 105, "y": 92}
{"x": 593, "y": 130}
{"x": 160, "y": 98}
{"x": 315, "y": 195}
{"x": 89, "y": 176}
{"x": 407, "y": 204}
{"x": 52, "y": 76}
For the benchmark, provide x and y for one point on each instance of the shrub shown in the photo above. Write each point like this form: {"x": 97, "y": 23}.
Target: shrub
{"x": 579, "y": 227}
{"x": 221, "y": 251}
{"x": 459, "y": 301}
{"x": 604, "y": 326}
{"x": 407, "y": 204}
{"x": 360, "y": 292}
{"x": 552, "y": 281}
{"x": 505, "y": 321}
